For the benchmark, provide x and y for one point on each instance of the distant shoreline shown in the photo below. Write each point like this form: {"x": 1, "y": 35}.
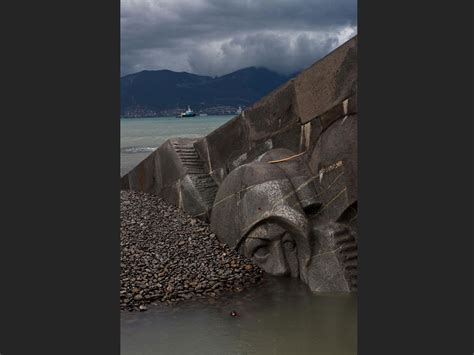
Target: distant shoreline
{"x": 146, "y": 117}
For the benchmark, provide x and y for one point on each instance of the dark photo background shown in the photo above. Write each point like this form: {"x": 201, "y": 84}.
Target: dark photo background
{"x": 59, "y": 251}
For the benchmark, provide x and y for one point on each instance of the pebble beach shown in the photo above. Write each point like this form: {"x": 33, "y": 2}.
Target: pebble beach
{"x": 168, "y": 257}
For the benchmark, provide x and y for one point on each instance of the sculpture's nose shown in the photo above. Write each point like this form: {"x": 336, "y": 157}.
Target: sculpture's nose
{"x": 280, "y": 265}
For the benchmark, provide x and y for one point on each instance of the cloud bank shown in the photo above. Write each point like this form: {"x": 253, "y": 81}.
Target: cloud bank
{"x": 215, "y": 37}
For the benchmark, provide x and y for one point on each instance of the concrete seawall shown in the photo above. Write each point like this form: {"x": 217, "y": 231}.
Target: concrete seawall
{"x": 314, "y": 114}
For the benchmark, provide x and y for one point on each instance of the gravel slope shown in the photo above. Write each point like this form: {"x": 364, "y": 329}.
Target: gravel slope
{"x": 167, "y": 256}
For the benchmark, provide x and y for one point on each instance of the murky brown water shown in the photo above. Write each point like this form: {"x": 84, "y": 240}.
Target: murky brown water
{"x": 280, "y": 316}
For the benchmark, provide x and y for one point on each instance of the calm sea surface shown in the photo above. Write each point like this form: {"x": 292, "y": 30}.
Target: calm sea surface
{"x": 140, "y": 136}
{"x": 281, "y": 316}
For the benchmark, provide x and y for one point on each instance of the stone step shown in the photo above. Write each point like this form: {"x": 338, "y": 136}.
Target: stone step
{"x": 192, "y": 162}
{"x": 195, "y": 171}
{"x": 184, "y": 148}
{"x": 185, "y": 152}
{"x": 204, "y": 184}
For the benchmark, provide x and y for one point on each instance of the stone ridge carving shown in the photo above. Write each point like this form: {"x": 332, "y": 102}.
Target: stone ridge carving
{"x": 279, "y": 181}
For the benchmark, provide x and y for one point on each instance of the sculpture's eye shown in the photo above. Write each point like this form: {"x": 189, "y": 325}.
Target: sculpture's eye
{"x": 261, "y": 251}
{"x": 289, "y": 245}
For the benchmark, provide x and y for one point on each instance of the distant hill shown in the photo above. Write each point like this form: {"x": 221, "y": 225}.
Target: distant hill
{"x": 161, "y": 92}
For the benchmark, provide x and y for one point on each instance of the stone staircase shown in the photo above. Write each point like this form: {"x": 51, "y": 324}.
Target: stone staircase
{"x": 203, "y": 182}
{"x": 189, "y": 157}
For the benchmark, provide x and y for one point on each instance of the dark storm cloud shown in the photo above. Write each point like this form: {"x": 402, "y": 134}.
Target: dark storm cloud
{"x": 214, "y": 37}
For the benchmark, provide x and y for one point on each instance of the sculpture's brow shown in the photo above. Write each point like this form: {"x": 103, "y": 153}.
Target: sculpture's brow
{"x": 258, "y": 238}
{"x": 267, "y": 237}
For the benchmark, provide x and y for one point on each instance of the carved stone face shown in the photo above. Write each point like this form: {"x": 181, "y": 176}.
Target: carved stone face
{"x": 273, "y": 248}
{"x": 332, "y": 266}
{"x": 269, "y": 211}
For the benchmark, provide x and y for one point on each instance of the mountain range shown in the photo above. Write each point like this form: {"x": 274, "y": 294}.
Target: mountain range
{"x": 165, "y": 92}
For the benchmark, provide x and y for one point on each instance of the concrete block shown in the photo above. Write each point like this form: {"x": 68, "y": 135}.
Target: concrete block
{"x": 327, "y": 82}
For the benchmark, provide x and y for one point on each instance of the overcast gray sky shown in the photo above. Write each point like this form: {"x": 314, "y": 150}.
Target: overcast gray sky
{"x": 215, "y": 37}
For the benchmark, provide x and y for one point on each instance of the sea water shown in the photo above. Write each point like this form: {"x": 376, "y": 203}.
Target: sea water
{"x": 280, "y": 316}
{"x": 141, "y": 136}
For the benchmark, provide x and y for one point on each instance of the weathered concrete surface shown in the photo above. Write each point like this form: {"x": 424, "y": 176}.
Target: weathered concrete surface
{"x": 181, "y": 177}
{"x": 299, "y": 174}
{"x": 284, "y": 171}
{"x": 227, "y": 146}
{"x": 334, "y": 161}
{"x": 274, "y": 113}
{"x": 327, "y": 82}
{"x": 176, "y": 173}
{"x": 142, "y": 177}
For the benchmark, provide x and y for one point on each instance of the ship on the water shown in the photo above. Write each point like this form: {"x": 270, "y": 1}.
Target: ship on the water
{"x": 239, "y": 111}
{"x": 188, "y": 113}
